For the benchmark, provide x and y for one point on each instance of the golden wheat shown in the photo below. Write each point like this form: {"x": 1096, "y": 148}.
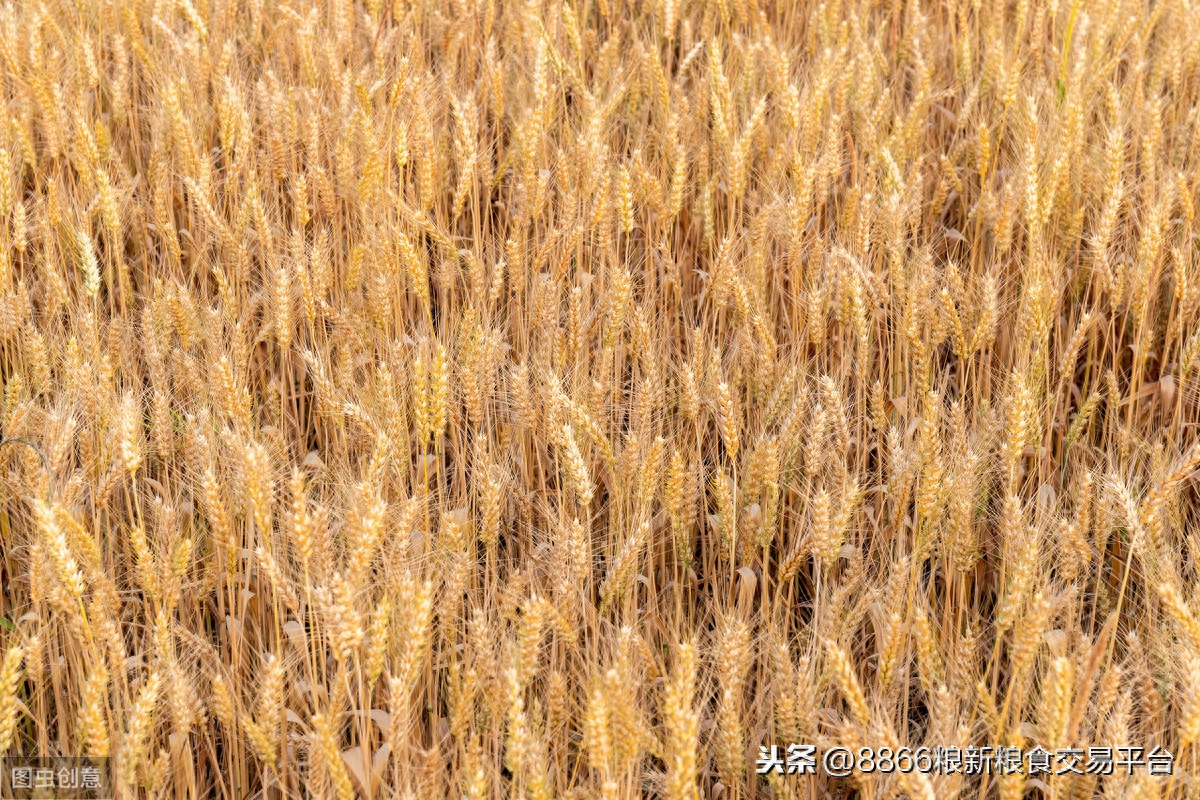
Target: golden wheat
{"x": 566, "y": 399}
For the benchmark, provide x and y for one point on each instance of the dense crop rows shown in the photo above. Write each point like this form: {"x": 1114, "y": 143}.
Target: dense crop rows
{"x": 564, "y": 399}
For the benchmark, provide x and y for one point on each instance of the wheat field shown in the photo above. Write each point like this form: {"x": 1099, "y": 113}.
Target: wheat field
{"x": 465, "y": 398}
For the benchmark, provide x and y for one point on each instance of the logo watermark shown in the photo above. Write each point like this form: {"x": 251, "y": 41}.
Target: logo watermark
{"x": 840, "y": 761}
{"x": 54, "y": 778}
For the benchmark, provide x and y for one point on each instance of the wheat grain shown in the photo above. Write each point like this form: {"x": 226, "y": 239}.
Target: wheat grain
{"x": 849, "y": 345}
